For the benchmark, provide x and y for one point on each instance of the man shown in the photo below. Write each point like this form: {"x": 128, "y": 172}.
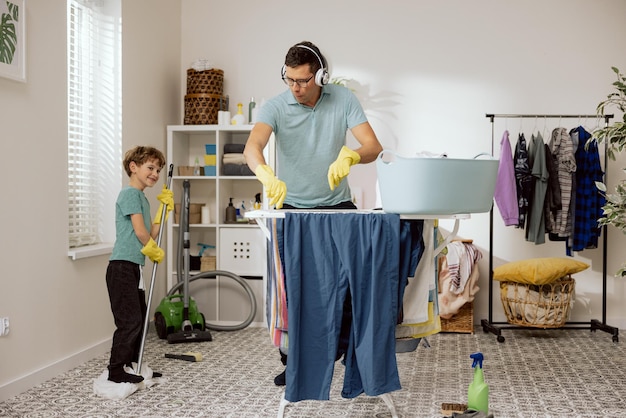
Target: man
{"x": 310, "y": 121}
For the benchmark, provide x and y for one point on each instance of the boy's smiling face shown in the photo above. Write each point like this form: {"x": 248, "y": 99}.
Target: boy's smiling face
{"x": 145, "y": 175}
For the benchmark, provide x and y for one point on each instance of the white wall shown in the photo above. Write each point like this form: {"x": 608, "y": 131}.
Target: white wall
{"x": 59, "y": 309}
{"x": 427, "y": 72}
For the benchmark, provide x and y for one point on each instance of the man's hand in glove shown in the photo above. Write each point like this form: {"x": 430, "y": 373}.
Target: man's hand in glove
{"x": 166, "y": 197}
{"x": 153, "y": 251}
{"x": 275, "y": 189}
{"x": 341, "y": 167}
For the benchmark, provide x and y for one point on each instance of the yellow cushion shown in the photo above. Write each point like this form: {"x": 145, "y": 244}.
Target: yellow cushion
{"x": 538, "y": 270}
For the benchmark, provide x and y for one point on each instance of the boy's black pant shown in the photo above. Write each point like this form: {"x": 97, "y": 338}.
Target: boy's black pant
{"x": 128, "y": 305}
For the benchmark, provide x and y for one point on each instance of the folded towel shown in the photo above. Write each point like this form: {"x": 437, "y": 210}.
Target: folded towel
{"x": 236, "y": 170}
{"x": 234, "y": 148}
{"x": 233, "y": 158}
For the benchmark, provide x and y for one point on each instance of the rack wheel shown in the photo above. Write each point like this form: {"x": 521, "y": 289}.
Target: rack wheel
{"x": 615, "y": 339}
{"x": 500, "y": 339}
{"x": 160, "y": 325}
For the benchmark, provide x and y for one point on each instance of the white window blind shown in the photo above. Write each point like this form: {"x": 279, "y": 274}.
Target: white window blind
{"x": 94, "y": 119}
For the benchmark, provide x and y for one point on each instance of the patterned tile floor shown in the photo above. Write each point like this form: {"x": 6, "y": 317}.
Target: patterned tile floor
{"x": 534, "y": 373}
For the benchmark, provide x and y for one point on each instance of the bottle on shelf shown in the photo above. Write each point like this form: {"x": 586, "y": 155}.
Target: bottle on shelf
{"x": 196, "y": 167}
{"x": 251, "y": 111}
{"x": 239, "y": 118}
{"x": 257, "y": 201}
{"x": 231, "y": 213}
{"x": 241, "y": 213}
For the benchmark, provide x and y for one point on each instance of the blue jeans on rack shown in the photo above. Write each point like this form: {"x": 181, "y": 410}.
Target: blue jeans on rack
{"x": 325, "y": 255}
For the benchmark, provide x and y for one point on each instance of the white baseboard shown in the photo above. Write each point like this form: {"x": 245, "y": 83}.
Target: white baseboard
{"x": 44, "y": 374}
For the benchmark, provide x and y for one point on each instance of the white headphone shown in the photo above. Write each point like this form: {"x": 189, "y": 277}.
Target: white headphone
{"x": 321, "y": 76}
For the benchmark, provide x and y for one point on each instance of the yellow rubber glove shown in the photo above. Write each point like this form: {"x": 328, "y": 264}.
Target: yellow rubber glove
{"x": 153, "y": 251}
{"x": 275, "y": 189}
{"x": 341, "y": 167}
{"x": 166, "y": 197}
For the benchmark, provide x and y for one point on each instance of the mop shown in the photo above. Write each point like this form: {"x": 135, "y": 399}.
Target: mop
{"x": 112, "y": 390}
{"x": 187, "y": 332}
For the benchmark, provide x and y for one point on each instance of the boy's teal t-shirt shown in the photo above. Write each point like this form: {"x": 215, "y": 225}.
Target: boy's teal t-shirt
{"x": 127, "y": 246}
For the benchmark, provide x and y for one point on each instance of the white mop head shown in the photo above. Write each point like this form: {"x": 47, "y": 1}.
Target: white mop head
{"x": 103, "y": 387}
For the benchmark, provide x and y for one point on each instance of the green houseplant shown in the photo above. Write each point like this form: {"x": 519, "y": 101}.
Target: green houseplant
{"x": 8, "y": 34}
{"x": 614, "y": 138}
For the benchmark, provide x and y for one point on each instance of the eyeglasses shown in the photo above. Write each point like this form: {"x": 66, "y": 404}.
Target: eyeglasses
{"x": 301, "y": 83}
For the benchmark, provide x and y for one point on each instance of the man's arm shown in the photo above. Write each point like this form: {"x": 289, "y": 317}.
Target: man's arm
{"x": 258, "y": 139}
{"x": 370, "y": 147}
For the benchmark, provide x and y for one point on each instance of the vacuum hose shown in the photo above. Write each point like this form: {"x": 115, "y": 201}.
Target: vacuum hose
{"x": 184, "y": 226}
{"x": 238, "y": 279}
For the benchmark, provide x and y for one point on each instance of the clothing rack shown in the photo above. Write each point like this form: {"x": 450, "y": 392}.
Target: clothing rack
{"x": 496, "y": 327}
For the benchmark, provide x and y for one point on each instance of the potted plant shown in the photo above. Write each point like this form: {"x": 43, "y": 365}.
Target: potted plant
{"x": 614, "y": 138}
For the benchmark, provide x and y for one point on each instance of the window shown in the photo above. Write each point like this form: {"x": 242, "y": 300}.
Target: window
{"x": 94, "y": 122}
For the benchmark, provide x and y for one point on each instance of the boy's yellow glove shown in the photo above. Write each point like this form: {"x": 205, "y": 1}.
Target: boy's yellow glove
{"x": 166, "y": 197}
{"x": 341, "y": 167}
{"x": 153, "y": 251}
{"x": 275, "y": 189}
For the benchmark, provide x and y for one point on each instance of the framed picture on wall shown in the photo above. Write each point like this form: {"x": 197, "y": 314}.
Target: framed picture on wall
{"x": 13, "y": 39}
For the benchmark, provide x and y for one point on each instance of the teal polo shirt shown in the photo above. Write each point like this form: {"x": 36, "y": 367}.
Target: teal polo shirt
{"x": 308, "y": 141}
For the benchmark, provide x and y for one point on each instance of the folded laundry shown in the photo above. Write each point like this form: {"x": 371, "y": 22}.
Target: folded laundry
{"x": 236, "y": 170}
{"x": 233, "y": 158}
{"x": 234, "y": 148}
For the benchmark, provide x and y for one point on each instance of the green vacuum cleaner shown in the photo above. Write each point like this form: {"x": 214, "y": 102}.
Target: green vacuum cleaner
{"x": 177, "y": 317}
{"x": 169, "y": 317}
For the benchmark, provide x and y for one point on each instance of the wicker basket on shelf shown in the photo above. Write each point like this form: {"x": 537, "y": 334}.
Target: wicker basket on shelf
{"x": 205, "y": 82}
{"x": 207, "y": 263}
{"x": 204, "y": 96}
{"x": 462, "y": 321}
{"x": 202, "y": 108}
{"x": 539, "y": 306}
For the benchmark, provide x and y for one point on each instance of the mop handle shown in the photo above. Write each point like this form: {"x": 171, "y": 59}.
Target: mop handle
{"x": 146, "y": 322}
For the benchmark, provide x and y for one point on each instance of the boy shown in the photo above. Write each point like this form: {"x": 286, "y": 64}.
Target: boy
{"x": 134, "y": 240}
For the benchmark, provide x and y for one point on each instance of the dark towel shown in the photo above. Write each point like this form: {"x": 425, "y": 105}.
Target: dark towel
{"x": 236, "y": 170}
{"x": 234, "y": 148}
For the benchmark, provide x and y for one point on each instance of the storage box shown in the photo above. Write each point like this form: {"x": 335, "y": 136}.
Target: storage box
{"x": 195, "y": 213}
{"x": 210, "y": 159}
{"x": 210, "y": 170}
{"x": 207, "y": 263}
{"x": 210, "y": 149}
{"x": 436, "y": 186}
{"x": 187, "y": 170}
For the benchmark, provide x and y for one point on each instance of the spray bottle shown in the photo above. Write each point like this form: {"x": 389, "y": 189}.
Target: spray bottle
{"x": 478, "y": 391}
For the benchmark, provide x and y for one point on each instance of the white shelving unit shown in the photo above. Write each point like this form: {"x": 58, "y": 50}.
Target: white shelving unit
{"x": 239, "y": 247}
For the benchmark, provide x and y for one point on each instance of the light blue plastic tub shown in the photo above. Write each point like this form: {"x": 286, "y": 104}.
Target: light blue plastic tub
{"x": 436, "y": 186}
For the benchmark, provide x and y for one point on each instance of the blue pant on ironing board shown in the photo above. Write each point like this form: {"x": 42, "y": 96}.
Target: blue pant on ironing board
{"x": 324, "y": 255}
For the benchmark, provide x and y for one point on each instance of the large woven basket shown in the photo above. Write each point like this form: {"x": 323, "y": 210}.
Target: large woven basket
{"x": 201, "y": 109}
{"x": 462, "y": 321}
{"x": 540, "y": 306}
{"x": 205, "y": 82}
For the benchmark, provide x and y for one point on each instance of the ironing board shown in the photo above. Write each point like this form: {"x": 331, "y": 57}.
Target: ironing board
{"x": 280, "y": 214}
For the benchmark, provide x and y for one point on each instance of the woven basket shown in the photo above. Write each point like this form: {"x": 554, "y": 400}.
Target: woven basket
{"x": 462, "y": 321}
{"x": 540, "y": 306}
{"x": 205, "y": 82}
{"x": 207, "y": 263}
{"x": 201, "y": 109}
